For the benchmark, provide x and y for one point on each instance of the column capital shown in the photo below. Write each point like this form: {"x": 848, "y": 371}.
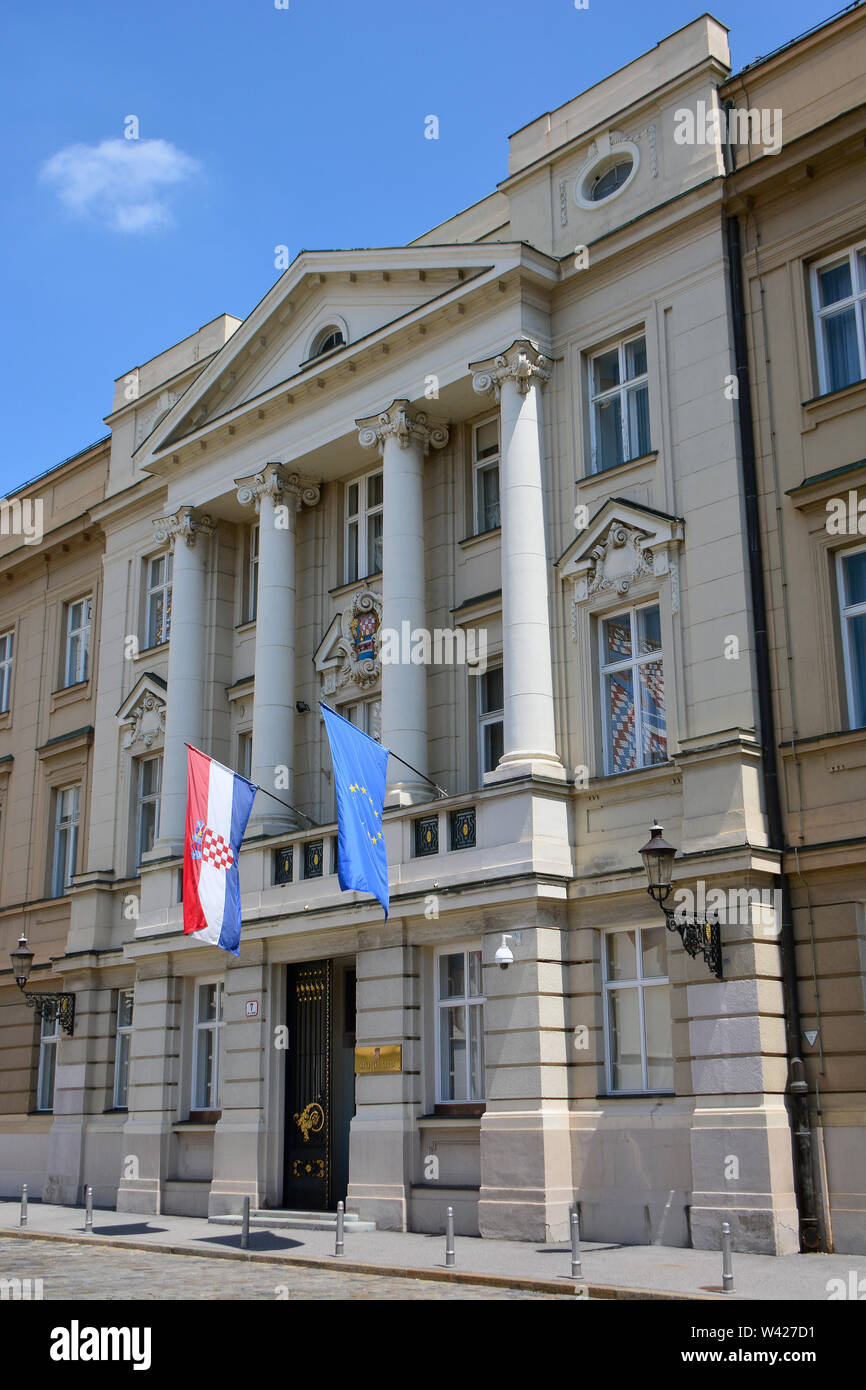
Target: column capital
{"x": 519, "y": 363}
{"x": 183, "y": 524}
{"x": 401, "y": 421}
{"x": 278, "y": 483}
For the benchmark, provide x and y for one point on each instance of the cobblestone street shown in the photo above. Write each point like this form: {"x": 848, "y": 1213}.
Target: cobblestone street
{"x": 71, "y": 1271}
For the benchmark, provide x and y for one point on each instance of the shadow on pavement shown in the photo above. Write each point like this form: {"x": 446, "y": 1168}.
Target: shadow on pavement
{"x": 137, "y": 1228}
{"x": 259, "y": 1240}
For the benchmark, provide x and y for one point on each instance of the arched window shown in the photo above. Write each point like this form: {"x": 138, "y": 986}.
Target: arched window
{"x": 328, "y": 338}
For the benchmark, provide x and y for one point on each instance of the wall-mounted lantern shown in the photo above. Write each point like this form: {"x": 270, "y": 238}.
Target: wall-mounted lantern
{"x": 700, "y": 938}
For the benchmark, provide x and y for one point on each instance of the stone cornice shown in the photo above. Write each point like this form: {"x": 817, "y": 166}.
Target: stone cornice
{"x": 276, "y": 482}
{"x": 182, "y": 525}
{"x": 405, "y": 424}
{"x": 520, "y": 363}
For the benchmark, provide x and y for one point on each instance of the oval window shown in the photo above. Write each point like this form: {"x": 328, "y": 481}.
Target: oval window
{"x": 600, "y": 186}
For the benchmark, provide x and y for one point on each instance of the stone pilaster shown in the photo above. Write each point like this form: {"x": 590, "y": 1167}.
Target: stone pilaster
{"x": 382, "y": 1134}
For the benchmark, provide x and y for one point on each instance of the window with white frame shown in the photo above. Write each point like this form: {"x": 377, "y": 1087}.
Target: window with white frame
{"x": 77, "y": 641}
{"x": 253, "y": 575}
{"x": 245, "y": 754}
{"x": 7, "y": 640}
{"x": 122, "y": 1045}
{"x": 839, "y": 306}
{"x": 366, "y": 715}
{"x": 460, "y": 1026}
{"x": 632, "y": 690}
{"x": 158, "y": 600}
{"x": 206, "y": 1046}
{"x": 65, "y": 848}
{"x": 149, "y": 790}
{"x": 485, "y": 475}
{"x": 364, "y": 503}
{"x": 852, "y": 606}
{"x": 637, "y": 1010}
{"x": 49, "y": 1033}
{"x": 491, "y": 706}
{"x": 619, "y": 416}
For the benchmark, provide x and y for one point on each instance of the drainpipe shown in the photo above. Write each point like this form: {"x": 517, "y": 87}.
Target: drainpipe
{"x": 798, "y": 1090}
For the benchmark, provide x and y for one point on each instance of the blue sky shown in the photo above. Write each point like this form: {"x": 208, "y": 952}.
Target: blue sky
{"x": 301, "y": 127}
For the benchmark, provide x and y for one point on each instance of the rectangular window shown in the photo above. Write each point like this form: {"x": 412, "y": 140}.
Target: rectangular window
{"x": 364, "y": 503}
{"x": 245, "y": 755}
{"x": 491, "y": 741}
{"x": 77, "y": 646}
{"x": 637, "y": 1011}
{"x": 66, "y": 808}
{"x": 632, "y": 690}
{"x": 149, "y": 790}
{"x": 122, "y": 1046}
{"x": 460, "y": 1026}
{"x": 366, "y": 715}
{"x": 206, "y": 1058}
{"x": 620, "y": 404}
{"x": 852, "y": 605}
{"x": 49, "y": 1032}
{"x": 485, "y": 475}
{"x": 158, "y": 619}
{"x": 839, "y": 307}
{"x": 253, "y": 575}
{"x": 7, "y": 640}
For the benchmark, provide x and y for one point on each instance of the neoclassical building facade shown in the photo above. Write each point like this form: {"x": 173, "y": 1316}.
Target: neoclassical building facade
{"x": 483, "y": 495}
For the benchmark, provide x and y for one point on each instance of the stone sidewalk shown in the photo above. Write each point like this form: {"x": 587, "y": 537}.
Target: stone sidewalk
{"x": 609, "y": 1271}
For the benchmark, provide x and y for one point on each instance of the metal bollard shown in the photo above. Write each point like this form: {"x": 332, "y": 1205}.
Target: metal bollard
{"x": 727, "y": 1264}
{"x": 22, "y": 1221}
{"x": 245, "y": 1226}
{"x": 340, "y": 1244}
{"x": 576, "y": 1268}
{"x": 88, "y": 1210}
{"x": 449, "y": 1239}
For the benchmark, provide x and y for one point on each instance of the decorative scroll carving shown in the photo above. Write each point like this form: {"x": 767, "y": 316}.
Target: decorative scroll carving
{"x": 618, "y": 560}
{"x": 403, "y": 423}
{"x": 520, "y": 363}
{"x": 182, "y": 525}
{"x": 145, "y": 722}
{"x": 279, "y": 484}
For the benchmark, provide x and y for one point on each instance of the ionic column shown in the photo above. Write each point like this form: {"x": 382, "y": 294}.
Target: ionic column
{"x": 516, "y": 377}
{"x": 277, "y": 496}
{"x": 188, "y": 536}
{"x": 403, "y": 437}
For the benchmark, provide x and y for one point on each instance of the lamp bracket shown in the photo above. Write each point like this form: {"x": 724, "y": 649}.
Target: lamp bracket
{"x": 59, "y": 1006}
{"x": 699, "y": 937}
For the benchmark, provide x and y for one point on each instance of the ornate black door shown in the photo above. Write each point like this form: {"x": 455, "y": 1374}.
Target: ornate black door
{"x": 307, "y": 1179}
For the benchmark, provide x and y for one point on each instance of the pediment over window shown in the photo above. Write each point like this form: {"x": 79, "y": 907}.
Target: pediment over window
{"x": 624, "y": 545}
{"x": 348, "y": 655}
{"x": 142, "y": 713}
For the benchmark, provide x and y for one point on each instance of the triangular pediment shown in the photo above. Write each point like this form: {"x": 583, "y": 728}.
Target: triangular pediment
{"x": 624, "y": 543}
{"x": 142, "y": 714}
{"x": 363, "y": 293}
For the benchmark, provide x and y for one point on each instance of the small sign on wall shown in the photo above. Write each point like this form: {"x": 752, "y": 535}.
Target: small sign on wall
{"x": 251, "y": 1008}
{"x": 376, "y": 1060}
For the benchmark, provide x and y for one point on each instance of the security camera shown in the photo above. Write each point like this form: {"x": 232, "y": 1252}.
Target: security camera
{"x": 504, "y": 956}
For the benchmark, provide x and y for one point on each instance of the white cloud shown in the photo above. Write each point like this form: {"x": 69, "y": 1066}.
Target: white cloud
{"x": 120, "y": 182}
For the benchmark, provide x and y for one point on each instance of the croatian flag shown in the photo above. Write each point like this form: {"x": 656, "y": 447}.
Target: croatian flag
{"x": 218, "y": 805}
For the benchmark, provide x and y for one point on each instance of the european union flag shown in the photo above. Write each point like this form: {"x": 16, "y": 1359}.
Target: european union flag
{"x": 359, "y": 777}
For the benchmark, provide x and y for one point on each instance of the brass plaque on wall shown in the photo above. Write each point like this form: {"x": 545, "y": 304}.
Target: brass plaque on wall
{"x": 386, "y": 1057}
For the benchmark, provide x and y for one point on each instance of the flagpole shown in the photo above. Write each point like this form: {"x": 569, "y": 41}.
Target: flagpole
{"x": 391, "y": 753}
{"x": 279, "y": 799}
